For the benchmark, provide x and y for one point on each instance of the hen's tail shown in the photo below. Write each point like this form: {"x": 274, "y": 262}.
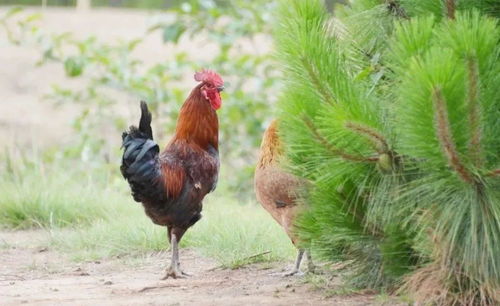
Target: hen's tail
{"x": 140, "y": 166}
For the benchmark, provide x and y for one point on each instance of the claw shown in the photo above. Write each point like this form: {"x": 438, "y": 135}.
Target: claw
{"x": 174, "y": 273}
{"x": 174, "y": 270}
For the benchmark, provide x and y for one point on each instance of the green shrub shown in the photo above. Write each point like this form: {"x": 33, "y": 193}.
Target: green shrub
{"x": 390, "y": 112}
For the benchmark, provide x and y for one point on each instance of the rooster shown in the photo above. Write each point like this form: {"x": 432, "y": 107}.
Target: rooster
{"x": 171, "y": 185}
{"x": 278, "y": 191}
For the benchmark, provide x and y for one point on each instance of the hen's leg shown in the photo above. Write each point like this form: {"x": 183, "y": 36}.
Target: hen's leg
{"x": 311, "y": 268}
{"x": 174, "y": 270}
{"x": 296, "y": 269}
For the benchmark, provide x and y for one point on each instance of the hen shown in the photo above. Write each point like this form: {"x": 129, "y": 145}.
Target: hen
{"x": 171, "y": 185}
{"x": 278, "y": 191}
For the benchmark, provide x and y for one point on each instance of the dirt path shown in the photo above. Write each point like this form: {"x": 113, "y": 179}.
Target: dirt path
{"x": 31, "y": 274}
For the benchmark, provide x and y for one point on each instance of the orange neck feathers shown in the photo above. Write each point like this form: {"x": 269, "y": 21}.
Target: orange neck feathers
{"x": 198, "y": 122}
{"x": 270, "y": 149}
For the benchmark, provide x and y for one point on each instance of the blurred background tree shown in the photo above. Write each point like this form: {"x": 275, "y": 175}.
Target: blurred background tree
{"x": 236, "y": 29}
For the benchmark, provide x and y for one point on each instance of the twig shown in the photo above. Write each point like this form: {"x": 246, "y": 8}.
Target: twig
{"x": 11, "y": 277}
{"x": 443, "y": 133}
{"x": 372, "y": 134}
{"x": 324, "y": 91}
{"x": 257, "y": 255}
{"x": 246, "y": 258}
{"x": 158, "y": 287}
{"x": 215, "y": 268}
{"x": 474, "y": 112}
{"x": 336, "y": 151}
{"x": 396, "y": 9}
{"x": 494, "y": 173}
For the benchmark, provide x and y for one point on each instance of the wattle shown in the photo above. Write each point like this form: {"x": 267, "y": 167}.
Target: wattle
{"x": 215, "y": 99}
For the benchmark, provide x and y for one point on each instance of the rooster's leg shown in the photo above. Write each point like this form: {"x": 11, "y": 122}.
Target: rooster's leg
{"x": 296, "y": 269}
{"x": 174, "y": 270}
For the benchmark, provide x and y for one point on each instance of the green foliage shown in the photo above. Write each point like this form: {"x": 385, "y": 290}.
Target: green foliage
{"x": 39, "y": 2}
{"x": 447, "y": 131}
{"x": 114, "y": 76}
{"x": 73, "y": 66}
{"x": 334, "y": 129}
{"x": 145, "y": 4}
{"x": 394, "y": 128}
{"x": 230, "y": 233}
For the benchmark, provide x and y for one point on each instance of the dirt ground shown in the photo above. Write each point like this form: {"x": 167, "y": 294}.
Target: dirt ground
{"x": 35, "y": 275}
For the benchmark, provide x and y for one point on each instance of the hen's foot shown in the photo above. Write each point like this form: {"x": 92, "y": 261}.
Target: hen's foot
{"x": 315, "y": 270}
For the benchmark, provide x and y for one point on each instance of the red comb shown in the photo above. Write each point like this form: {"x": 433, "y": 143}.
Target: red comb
{"x": 209, "y": 76}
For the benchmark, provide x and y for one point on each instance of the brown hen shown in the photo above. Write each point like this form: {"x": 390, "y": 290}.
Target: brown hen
{"x": 278, "y": 191}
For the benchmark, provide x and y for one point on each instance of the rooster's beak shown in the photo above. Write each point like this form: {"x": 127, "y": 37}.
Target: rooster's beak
{"x": 220, "y": 88}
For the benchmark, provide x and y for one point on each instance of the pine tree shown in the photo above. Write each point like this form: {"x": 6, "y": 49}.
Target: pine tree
{"x": 391, "y": 110}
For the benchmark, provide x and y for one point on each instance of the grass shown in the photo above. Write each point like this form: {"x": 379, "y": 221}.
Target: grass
{"x": 233, "y": 233}
{"x": 89, "y": 218}
{"x": 36, "y": 199}
{"x": 228, "y": 232}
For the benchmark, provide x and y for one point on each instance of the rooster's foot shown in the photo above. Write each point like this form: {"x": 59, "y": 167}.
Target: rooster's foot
{"x": 293, "y": 273}
{"x": 175, "y": 273}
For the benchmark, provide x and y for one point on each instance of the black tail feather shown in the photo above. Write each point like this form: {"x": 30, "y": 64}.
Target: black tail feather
{"x": 145, "y": 122}
{"x": 140, "y": 158}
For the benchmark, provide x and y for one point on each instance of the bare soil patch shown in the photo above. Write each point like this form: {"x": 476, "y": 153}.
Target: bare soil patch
{"x": 32, "y": 274}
